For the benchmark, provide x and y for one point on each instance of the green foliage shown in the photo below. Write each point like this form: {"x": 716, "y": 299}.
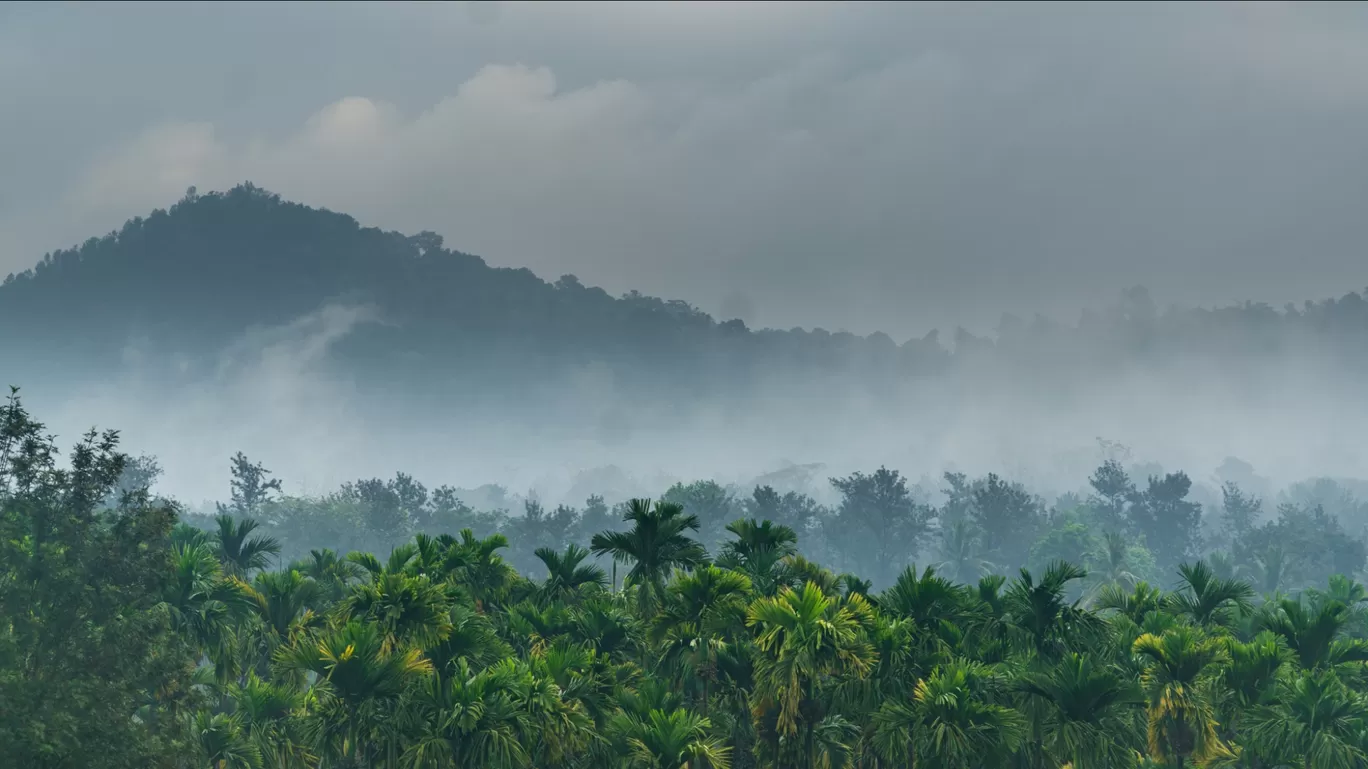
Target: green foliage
{"x": 132, "y": 641}
{"x": 93, "y": 672}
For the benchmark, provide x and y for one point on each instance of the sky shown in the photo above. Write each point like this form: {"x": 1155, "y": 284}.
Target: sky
{"x": 869, "y": 167}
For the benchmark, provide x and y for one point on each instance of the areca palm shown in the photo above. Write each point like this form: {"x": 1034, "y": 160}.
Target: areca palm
{"x": 1114, "y": 567}
{"x": 409, "y": 610}
{"x": 1180, "y": 667}
{"x": 674, "y": 739}
{"x": 1042, "y": 620}
{"x": 758, "y": 551}
{"x": 1090, "y": 718}
{"x": 471, "y": 720}
{"x": 930, "y": 602}
{"x": 240, "y": 551}
{"x": 332, "y": 573}
{"x": 204, "y": 605}
{"x": 1313, "y": 633}
{"x": 656, "y": 545}
{"x": 475, "y": 564}
{"x": 950, "y": 721}
{"x": 222, "y": 742}
{"x": 1207, "y": 598}
{"x": 1314, "y": 721}
{"x": 803, "y": 638}
{"x": 268, "y": 710}
{"x": 1134, "y": 604}
{"x": 962, "y": 551}
{"x": 567, "y": 574}
{"x": 285, "y": 600}
{"x": 361, "y": 677}
{"x": 702, "y": 613}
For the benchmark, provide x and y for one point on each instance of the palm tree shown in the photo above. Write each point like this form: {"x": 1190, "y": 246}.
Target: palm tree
{"x": 703, "y": 613}
{"x": 675, "y": 739}
{"x": 1208, "y": 599}
{"x": 1089, "y": 718}
{"x": 361, "y": 677}
{"x": 804, "y": 638}
{"x": 1314, "y": 721}
{"x": 472, "y": 638}
{"x": 567, "y": 574}
{"x": 268, "y": 710}
{"x": 471, "y": 720}
{"x": 655, "y": 545}
{"x": 222, "y": 742}
{"x": 205, "y": 605}
{"x": 238, "y": 549}
{"x": 1042, "y": 620}
{"x": 758, "y": 551}
{"x": 1313, "y": 633}
{"x": 951, "y": 721}
{"x": 930, "y": 602}
{"x": 1134, "y": 604}
{"x": 1179, "y": 670}
{"x": 1350, "y": 593}
{"x": 408, "y": 610}
{"x": 475, "y": 564}
{"x": 333, "y": 574}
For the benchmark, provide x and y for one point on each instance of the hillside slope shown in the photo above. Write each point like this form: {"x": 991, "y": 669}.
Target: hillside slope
{"x": 238, "y": 321}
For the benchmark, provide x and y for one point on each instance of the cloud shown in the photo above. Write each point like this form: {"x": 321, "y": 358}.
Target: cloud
{"x": 889, "y": 166}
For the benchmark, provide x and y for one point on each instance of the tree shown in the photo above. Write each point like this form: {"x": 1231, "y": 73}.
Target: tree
{"x": 1113, "y": 492}
{"x": 1008, "y": 518}
{"x": 567, "y": 574}
{"x": 1090, "y": 720}
{"x": 676, "y": 739}
{"x": 1169, "y": 522}
{"x": 361, "y": 677}
{"x": 92, "y": 673}
{"x": 1180, "y": 667}
{"x": 758, "y": 551}
{"x": 878, "y": 522}
{"x": 950, "y": 722}
{"x": 655, "y": 545}
{"x": 804, "y": 638}
{"x": 1208, "y": 599}
{"x": 251, "y": 487}
{"x": 1313, "y": 721}
{"x": 241, "y": 552}
{"x": 1239, "y": 510}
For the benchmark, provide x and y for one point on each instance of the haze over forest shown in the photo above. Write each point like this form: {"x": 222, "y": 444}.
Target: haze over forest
{"x": 240, "y": 322}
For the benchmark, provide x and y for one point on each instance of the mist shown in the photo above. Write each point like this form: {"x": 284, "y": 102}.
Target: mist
{"x": 1027, "y": 410}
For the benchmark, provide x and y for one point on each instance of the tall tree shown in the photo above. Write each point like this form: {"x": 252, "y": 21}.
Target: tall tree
{"x": 92, "y": 673}
{"x": 878, "y": 524}
{"x": 656, "y": 545}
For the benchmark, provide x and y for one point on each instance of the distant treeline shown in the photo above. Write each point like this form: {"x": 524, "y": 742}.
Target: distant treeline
{"x": 880, "y": 524}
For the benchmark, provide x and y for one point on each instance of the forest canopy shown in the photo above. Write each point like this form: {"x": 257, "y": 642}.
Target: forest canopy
{"x": 387, "y": 625}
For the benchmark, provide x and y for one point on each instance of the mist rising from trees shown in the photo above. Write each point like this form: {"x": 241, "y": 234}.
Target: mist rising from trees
{"x": 237, "y": 321}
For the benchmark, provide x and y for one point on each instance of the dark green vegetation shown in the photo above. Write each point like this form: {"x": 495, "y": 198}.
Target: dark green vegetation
{"x": 375, "y": 628}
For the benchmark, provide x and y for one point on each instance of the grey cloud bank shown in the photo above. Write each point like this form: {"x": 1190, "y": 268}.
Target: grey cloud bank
{"x": 866, "y": 166}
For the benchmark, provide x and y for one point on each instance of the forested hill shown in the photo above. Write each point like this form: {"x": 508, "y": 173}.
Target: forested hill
{"x": 192, "y": 279}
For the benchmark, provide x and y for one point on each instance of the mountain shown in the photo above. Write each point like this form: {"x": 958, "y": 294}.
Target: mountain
{"x": 187, "y": 281}
{"x": 276, "y": 327}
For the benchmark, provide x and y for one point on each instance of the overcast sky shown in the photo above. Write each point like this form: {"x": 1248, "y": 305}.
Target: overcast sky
{"x": 875, "y": 166}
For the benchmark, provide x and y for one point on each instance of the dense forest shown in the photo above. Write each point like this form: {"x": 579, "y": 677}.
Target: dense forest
{"x": 388, "y": 626}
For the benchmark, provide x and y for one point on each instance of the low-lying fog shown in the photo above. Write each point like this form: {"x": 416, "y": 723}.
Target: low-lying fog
{"x": 1291, "y": 416}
